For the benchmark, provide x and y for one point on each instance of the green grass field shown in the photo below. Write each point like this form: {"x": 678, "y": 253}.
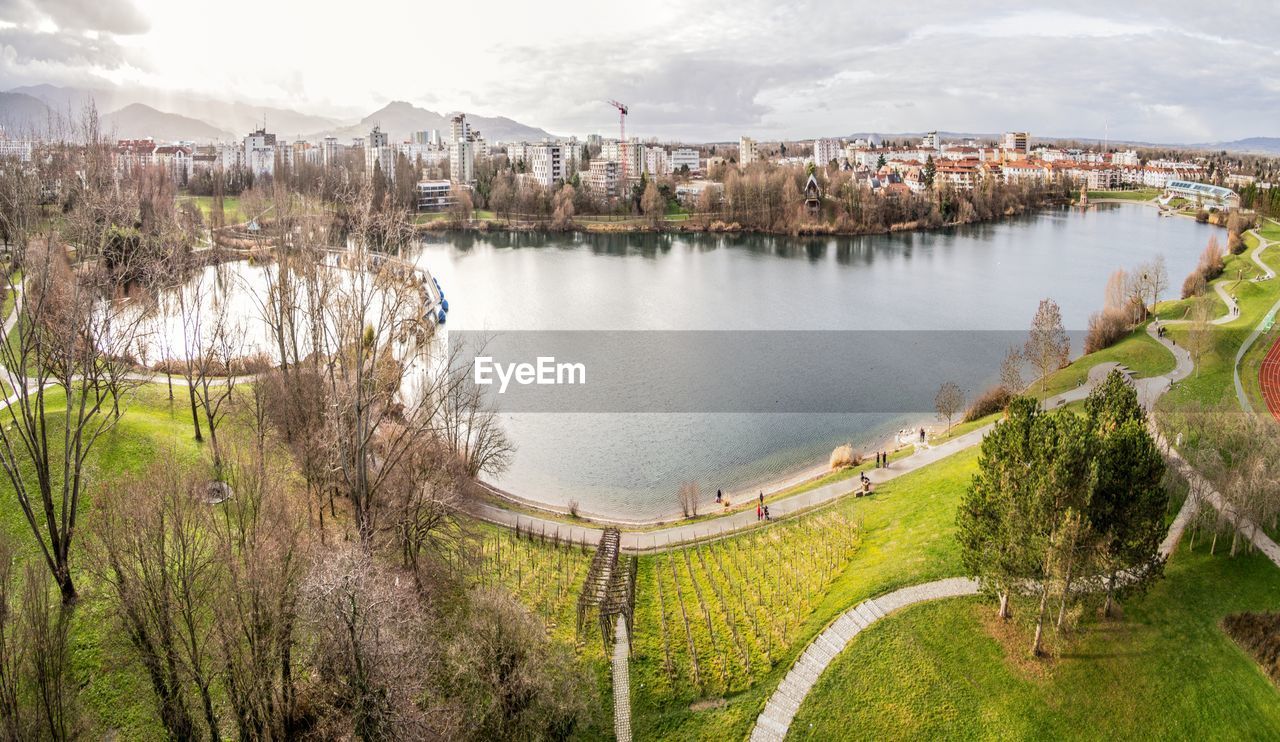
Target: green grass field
{"x": 1164, "y": 671}
{"x": 114, "y": 694}
{"x": 231, "y": 211}
{"x": 1140, "y": 194}
{"x": 906, "y": 535}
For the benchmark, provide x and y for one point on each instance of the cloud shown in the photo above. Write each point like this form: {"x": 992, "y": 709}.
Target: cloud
{"x": 119, "y": 17}
{"x": 708, "y": 69}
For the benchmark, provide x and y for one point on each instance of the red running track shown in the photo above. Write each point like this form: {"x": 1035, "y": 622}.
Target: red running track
{"x": 1270, "y": 377}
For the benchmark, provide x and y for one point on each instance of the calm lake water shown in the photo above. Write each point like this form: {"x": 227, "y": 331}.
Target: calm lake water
{"x": 952, "y": 285}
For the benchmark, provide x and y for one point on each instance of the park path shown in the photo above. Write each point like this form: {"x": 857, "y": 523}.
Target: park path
{"x": 622, "y": 682}
{"x": 1263, "y": 244}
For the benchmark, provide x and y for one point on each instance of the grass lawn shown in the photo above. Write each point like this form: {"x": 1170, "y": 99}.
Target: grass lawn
{"x": 114, "y": 694}
{"x": 1164, "y": 671}
{"x": 1139, "y": 351}
{"x": 231, "y": 212}
{"x": 1141, "y": 194}
{"x": 907, "y": 535}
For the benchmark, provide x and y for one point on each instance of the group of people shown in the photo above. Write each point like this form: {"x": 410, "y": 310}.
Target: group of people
{"x": 762, "y": 510}
{"x": 882, "y": 459}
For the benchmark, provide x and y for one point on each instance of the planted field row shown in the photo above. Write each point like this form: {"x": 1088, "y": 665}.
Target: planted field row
{"x": 712, "y": 618}
{"x": 544, "y": 574}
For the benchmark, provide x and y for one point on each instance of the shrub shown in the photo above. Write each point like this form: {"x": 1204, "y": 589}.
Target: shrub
{"x": 1212, "y": 262}
{"x": 989, "y": 402}
{"x": 1202, "y": 216}
{"x": 1106, "y": 328}
{"x": 844, "y": 456}
{"x": 1259, "y": 633}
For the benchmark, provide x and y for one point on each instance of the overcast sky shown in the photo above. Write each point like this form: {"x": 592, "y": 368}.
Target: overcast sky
{"x": 698, "y": 70}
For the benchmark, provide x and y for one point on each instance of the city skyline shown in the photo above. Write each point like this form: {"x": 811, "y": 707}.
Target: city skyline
{"x": 706, "y": 71}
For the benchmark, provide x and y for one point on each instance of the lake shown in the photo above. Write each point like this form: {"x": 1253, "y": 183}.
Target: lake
{"x": 956, "y": 297}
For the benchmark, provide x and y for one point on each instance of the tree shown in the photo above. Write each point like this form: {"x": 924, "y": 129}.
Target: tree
{"x": 1047, "y": 345}
{"x": 1011, "y": 371}
{"x": 75, "y": 344}
{"x": 929, "y": 173}
{"x": 948, "y": 402}
{"x": 652, "y": 203}
{"x": 153, "y": 551}
{"x": 995, "y": 511}
{"x": 1199, "y": 337}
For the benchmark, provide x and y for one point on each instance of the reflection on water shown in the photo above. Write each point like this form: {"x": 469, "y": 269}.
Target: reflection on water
{"x": 986, "y": 277}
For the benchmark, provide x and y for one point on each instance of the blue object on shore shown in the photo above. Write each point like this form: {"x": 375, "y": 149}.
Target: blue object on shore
{"x": 440, "y": 316}
{"x": 444, "y": 304}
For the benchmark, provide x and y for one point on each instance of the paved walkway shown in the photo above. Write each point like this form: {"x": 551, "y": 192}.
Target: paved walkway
{"x": 622, "y": 682}
{"x": 773, "y": 722}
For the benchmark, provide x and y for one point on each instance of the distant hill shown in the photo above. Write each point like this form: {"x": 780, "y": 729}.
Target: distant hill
{"x": 237, "y": 118}
{"x": 136, "y": 121}
{"x": 1252, "y": 145}
{"x": 401, "y": 119}
{"x": 22, "y": 115}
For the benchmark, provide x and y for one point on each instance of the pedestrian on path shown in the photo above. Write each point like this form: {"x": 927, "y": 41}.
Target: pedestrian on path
{"x": 922, "y": 435}
{"x": 766, "y": 513}
{"x": 877, "y": 459}
{"x": 719, "y": 496}
{"x": 759, "y": 512}
{"x": 884, "y": 456}
{"x": 761, "y": 497}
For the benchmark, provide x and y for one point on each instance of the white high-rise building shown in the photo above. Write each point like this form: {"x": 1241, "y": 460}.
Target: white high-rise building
{"x": 462, "y": 153}
{"x": 260, "y": 152}
{"x": 547, "y": 162}
{"x": 330, "y": 151}
{"x": 379, "y": 154}
{"x": 748, "y": 151}
{"x": 682, "y": 157}
{"x": 656, "y": 161}
{"x": 930, "y": 141}
{"x": 1017, "y": 142}
{"x": 826, "y": 150}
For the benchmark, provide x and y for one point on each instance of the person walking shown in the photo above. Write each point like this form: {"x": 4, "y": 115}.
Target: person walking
{"x": 761, "y": 497}
{"x": 759, "y": 512}
{"x": 766, "y": 513}
{"x": 884, "y": 455}
{"x": 922, "y": 435}
{"x": 719, "y": 496}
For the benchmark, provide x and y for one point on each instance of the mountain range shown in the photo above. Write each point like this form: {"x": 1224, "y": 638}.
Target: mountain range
{"x": 132, "y": 114}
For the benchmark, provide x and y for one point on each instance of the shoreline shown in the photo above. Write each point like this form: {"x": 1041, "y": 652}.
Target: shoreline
{"x": 742, "y": 498}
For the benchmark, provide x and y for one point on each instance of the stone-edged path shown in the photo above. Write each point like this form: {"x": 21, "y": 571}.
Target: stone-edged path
{"x": 621, "y": 682}
{"x": 773, "y": 722}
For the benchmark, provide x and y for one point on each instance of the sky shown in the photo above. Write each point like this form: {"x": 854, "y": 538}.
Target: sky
{"x": 693, "y": 70}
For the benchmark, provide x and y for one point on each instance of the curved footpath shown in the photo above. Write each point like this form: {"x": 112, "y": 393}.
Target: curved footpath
{"x": 775, "y": 720}
{"x": 1268, "y": 275}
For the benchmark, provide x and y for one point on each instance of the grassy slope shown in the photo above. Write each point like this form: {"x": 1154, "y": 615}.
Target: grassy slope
{"x": 1213, "y": 381}
{"x": 114, "y": 694}
{"x": 908, "y": 537}
{"x": 1139, "y": 351}
{"x": 1166, "y": 671}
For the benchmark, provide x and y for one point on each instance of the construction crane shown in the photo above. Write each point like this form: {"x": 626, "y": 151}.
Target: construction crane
{"x": 622, "y": 140}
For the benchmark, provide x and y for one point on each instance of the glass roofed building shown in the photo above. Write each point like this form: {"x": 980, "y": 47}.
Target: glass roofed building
{"x": 1203, "y": 193}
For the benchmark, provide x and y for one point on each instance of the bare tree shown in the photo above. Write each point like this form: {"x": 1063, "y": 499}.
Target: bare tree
{"x": 948, "y": 402}
{"x": 262, "y": 552}
{"x": 154, "y": 553}
{"x": 72, "y": 342}
{"x": 688, "y": 496}
{"x": 1199, "y": 337}
{"x": 1011, "y": 371}
{"x": 1047, "y": 345}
